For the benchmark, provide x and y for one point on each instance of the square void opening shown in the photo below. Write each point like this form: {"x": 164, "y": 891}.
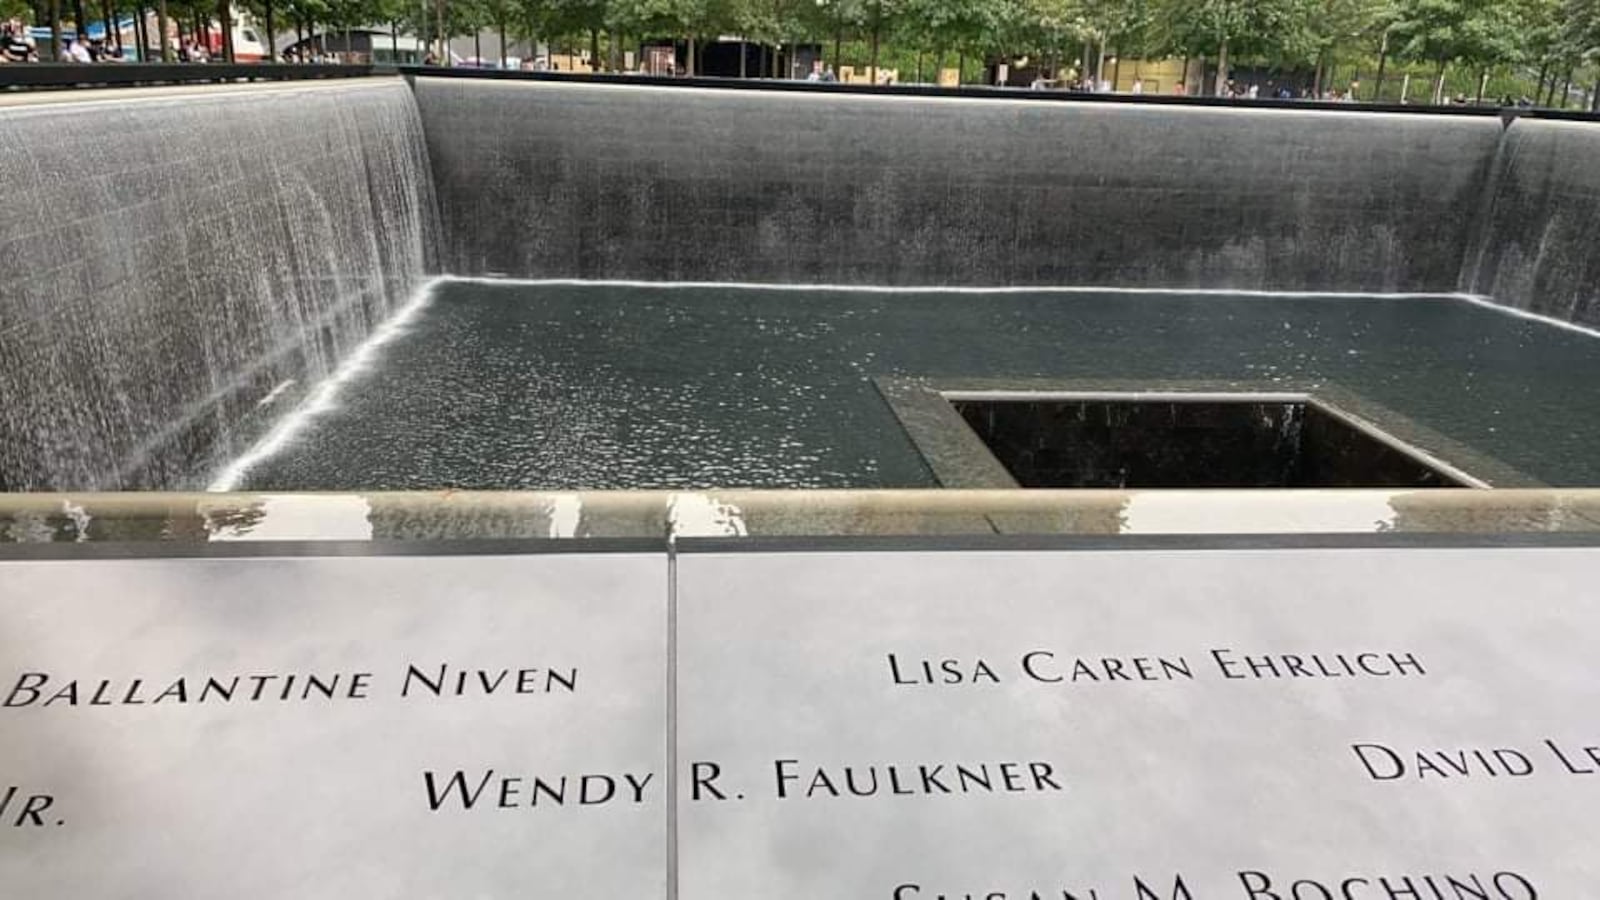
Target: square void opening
{"x": 1247, "y": 442}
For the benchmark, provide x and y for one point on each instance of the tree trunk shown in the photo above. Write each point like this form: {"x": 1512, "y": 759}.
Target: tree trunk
{"x": 444, "y": 41}
{"x": 78, "y": 19}
{"x": 1566, "y": 88}
{"x": 873, "y": 67}
{"x": 919, "y": 65}
{"x": 961, "y": 67}
{"x": 1483, "y": 85}
{"x": 500, "y": 27}
{"x": 477, "y": 44}
{"x": 272, "y": 35}
{"x": 689, "y": 65}
{"x": 1316, "y": 80}
{"x": 1383, "y": 62}
{"x": 1183, "y": 79}
{"x": 1438, "y": 82}
{"x": 140, "y": 39}
{"x": 838, "y": 38}
{"x": 105, "y": 17}
{"x": 225, "y": 25}
{"x": 614, "y": 52}
{"x": 1594, "y": 98}
{"x": 1222, "y": 68}
{"x": 1116, "y": 72}
{"x": 394, "y": 41}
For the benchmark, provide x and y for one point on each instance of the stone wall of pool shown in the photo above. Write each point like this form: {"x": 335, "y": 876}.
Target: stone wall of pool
{"x": 182, "y": 284}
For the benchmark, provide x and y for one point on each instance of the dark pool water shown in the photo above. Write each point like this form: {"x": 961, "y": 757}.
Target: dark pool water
{"x": 537, "y": 386}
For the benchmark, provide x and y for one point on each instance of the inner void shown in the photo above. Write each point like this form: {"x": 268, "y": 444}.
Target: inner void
{"x": 1204, "y": 441}
{"x": 508, "y": 385}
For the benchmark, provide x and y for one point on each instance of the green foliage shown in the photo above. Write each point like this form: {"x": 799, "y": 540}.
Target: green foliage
{"x": 1262, "y": 28}
{"x": 1476, "y": 32}
{"x": 1510, "y": 39}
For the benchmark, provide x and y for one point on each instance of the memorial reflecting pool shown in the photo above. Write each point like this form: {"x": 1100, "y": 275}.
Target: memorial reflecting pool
{"x": 563, "y": 386}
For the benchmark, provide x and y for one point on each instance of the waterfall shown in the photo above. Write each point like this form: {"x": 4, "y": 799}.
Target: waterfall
{"x": 181, "y": 265}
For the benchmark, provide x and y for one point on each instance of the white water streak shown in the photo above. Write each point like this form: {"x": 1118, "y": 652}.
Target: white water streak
{"x": 274, "y": 393}
{"x": 325, "y": 395}
{"x": 936, "y": 289}
{"x": 1455, "y": 296}
{"x": 1480, "y": 300}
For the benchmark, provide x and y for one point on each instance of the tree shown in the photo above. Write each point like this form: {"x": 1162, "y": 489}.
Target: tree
{"x": 873, "y": 19}
{"x": 1581, "y": 41}
{"x": 1235, "y": 28}
{"x": 1336, "y": 24}
{"x": 306, "y": 14}
{"x": 776, "y": 22}
{"x": 1478, "y": 33}
{"x": 392, "y": 13}
{"x": 1125, "y": 25}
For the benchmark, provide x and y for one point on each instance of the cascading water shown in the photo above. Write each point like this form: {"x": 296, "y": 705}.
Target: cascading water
{"x": 1537, "y": 249}
{"x": 182, "y": 265}
{"x": 193, "y": 274}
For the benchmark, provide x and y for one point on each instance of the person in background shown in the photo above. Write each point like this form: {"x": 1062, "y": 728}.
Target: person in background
{"x": 1254, "y": 92}
{"x": 14, "y": 45}
{"x": 1138, "y": 85}
{"x": 828, "y": 73}
{"x": 77, "y": 51}
{"x": 1180, "y": 88}
{"x": 816, "y": 71}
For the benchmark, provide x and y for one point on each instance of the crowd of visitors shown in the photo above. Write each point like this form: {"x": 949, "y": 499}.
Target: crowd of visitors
{"x": 822, "y": 71}
{"x": 17, "y": 45}
{"x": 1231, "y": 89}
